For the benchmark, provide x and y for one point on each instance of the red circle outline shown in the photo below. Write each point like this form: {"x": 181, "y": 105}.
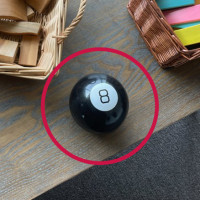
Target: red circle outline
{"x": 144, "y": 141}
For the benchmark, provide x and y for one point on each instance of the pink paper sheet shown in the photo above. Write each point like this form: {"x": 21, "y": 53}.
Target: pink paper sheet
{"x": 183, "y": 15}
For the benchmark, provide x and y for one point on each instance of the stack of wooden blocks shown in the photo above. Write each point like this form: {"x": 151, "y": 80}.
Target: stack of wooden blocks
{"x": 15, "y": 18}
{"x": 184, "y": 17}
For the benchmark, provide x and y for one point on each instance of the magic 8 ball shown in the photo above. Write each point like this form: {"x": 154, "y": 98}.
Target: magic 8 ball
{"x": 99, "y": 103}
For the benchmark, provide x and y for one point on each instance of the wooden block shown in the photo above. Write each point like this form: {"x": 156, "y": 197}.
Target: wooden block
{"x": 30, "y": 12}
{"x": 183, "y": 15}
{"x": 20, "y": 28}
{"x": 29, "y": 50}
{"x": 8, "y": 50}
{"x": 38, "y": 5}
{"x": 189, "y": 36}
{"x": 13, "y": 9}
{"x": 179, "y": 26}
{"x": 169, "y": 4}
{"x": 197, "y": 2}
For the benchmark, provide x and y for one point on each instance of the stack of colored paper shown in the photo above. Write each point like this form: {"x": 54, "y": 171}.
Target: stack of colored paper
{"x": 184, "y": 17}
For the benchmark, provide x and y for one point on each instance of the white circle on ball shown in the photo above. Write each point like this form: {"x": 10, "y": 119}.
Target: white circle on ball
{"x": 104, "y": 97}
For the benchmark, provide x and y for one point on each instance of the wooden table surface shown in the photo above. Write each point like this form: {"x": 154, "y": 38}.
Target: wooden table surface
{"x": 30, "y": 163}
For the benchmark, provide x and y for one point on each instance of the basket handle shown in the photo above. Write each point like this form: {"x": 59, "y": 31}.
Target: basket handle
{"x": 74, "y": 23}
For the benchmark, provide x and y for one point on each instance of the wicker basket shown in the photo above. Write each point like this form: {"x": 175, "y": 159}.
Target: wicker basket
{"x": 158, "y": 34}
{"x": 53, "y": 34}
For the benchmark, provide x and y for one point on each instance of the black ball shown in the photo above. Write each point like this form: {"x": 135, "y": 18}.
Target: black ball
{"x": 99, "y": 103}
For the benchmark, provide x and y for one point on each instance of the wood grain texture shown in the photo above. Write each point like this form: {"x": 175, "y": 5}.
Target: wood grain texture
{"x": 29, "y": 50}
{"x": 29, "y": 160}
{"x": 13, "y": 9}
{"x": 8, "y": 50}
{"x": 20, "y": 28}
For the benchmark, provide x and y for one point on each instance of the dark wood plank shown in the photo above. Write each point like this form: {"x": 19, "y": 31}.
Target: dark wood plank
{"x": 29, "y": 160}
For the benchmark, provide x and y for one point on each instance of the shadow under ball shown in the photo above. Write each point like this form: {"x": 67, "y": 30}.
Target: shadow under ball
{"x": 99, "y": 103}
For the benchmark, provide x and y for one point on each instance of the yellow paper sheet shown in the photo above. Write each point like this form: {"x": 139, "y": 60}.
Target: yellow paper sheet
{"x": 189, "y": 36}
